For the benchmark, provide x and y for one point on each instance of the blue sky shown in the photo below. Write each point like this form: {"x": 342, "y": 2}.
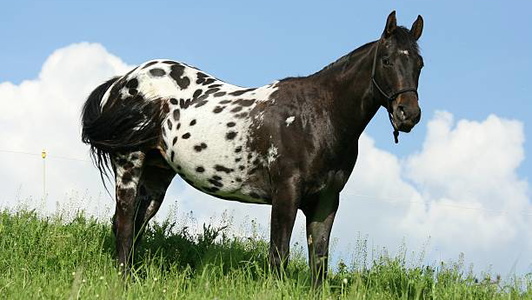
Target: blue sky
{"x": 477, "y": 53}
{"x": 477, "y": 64}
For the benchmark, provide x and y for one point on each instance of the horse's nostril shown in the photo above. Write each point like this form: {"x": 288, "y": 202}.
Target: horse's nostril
{"x": 402, "y": 113}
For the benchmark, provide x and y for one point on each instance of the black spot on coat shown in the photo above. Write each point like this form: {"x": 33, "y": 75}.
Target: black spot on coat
{"x": 244, "y": 102}
{"x": 209, "y": 81}
{"x": 241, "y": 115}
{"x": 221, "y": 168}
{"x": 200, "y": 147}
{"x": 197, "y": 93}
{"x": 211, "y": 189}
{"x": 184, "y": 103}
{"x": 215, "y": 182}
{"x": 151, "y": 63}
{"x": 201, "y": 77}
{"x": 210, "y": 91}
{"x": 240, "y": 92}
{"x": 230, "y": 135}
{"x": 132, "y": 84}
{"x": 176, "y": 114}
{"x": 157, "y": 72}
{"x": 218, "y": 109}
{"x": 201, "y": 103}
{"x": 236, "y": 109}
{"x": 176, "y": 73}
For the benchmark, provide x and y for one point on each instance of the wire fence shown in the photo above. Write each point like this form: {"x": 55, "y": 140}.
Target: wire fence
{"x": 47, "y": 155}
{"x": 360, "y": 196}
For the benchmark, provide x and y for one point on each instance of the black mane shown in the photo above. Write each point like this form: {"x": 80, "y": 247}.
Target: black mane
{"x": 402, "y": 36}
{"x": 347, "y": 58}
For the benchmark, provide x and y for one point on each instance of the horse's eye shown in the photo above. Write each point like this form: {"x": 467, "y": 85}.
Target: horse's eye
{"x": 386, "y": 61}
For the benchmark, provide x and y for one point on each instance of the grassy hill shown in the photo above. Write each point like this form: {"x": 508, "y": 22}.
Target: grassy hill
{"x": 50, "y": 258}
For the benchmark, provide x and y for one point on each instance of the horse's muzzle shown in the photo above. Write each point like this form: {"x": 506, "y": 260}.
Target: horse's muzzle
{"x": 406, "y": 117}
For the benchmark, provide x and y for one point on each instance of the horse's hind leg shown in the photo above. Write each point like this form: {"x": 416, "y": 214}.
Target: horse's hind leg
{"x": 128, "y": 170}
{"x": 155, "y": 179}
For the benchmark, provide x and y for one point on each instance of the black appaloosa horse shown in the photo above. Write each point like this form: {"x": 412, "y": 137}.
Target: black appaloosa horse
{"x": 291, "y": 144}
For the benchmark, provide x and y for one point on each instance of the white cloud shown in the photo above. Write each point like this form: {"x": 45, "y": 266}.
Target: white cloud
{"x": 473, "y": 197}
{"x": 461, "y": 188}
{"x": 44, "y": 113}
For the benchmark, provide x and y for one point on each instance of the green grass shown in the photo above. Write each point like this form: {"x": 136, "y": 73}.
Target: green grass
{"x": 49, "y": 258}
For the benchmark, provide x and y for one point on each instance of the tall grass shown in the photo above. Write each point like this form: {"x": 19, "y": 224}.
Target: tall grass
{"x": 50, "y": 258}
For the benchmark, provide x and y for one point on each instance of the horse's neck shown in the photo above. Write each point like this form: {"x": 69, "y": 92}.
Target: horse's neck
{"x": 348, "y": 81}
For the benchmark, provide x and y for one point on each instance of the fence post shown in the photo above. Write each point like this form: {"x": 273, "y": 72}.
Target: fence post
{"x": 43, "y": 155}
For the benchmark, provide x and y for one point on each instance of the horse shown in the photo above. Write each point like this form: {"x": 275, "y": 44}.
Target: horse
{"x": 291, "y": 144}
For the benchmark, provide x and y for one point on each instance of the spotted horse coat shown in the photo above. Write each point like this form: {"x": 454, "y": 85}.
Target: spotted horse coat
{"x": 291, "y": 144}
{"x": 206, "y": 128}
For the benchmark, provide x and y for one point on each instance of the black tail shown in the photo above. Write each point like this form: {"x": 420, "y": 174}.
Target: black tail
{"x": 121, "y": 125}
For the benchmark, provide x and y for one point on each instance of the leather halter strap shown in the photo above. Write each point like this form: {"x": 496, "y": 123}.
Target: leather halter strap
{"x": 389, "y": 98}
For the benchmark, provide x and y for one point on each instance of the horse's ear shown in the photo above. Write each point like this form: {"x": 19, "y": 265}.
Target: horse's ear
{"x": 391, "y": 24}
{"x": 417, "y": 28}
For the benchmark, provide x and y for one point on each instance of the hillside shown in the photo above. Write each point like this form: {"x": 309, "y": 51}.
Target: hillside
{"x": 50, "y": 258}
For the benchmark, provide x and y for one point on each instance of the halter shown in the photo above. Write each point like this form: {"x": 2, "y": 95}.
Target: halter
{"x": 391, "y": 97}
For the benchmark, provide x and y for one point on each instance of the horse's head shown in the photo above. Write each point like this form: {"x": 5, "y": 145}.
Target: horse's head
{"x": 395, "y": 75}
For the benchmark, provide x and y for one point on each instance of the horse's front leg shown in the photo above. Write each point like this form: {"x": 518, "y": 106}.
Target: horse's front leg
{"x": 285, "y": 202}
{"x": 320, "y": 217}
{"x": 128, "y": 170}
